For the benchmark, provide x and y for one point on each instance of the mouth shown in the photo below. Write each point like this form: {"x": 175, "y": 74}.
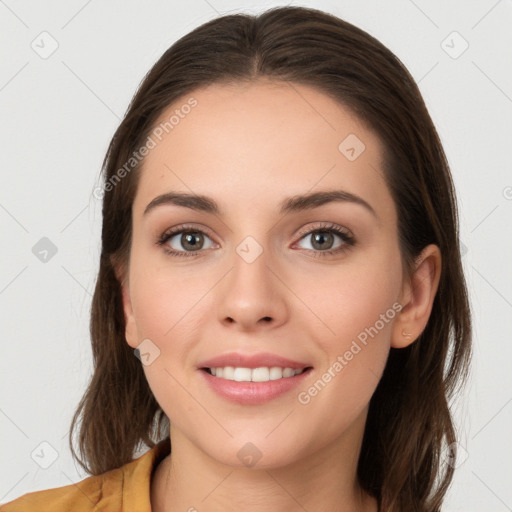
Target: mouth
{"x": 259, "y": 374}
{"x": 253, "y": 379}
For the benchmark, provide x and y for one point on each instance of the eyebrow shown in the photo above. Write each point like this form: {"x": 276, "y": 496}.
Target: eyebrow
{"x": 292, "y": 204}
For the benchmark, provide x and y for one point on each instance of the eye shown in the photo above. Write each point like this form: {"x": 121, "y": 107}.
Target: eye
{"x": 328, "y": 239}
{"x": 191, "y": 241}
{"x": 185, "y": 241}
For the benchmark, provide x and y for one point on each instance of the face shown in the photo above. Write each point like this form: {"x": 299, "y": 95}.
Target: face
{"x": 266, "y": 280}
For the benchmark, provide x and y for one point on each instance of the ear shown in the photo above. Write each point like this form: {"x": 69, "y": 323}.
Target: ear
{"x": 417, "y": 298}
{"x": 121, "y": 271}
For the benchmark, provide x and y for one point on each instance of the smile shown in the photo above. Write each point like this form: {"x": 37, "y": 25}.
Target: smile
{"x": 261, "y": 374}
{"x": 254, "y": 386}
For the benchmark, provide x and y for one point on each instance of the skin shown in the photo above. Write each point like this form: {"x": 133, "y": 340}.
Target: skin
{"x": 249, "y": 146}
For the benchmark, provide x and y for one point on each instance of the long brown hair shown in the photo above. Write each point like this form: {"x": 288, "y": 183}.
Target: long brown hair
{"x": 409, "y": 422}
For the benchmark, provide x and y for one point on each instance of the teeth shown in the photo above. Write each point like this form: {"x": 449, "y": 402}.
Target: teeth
{"x": 228, "y": 373}
{"x": 241, "y": 375}
{"x": 288, "y": 372}
{"x": 262, "y": 374}
{"x": 276, "y": 373}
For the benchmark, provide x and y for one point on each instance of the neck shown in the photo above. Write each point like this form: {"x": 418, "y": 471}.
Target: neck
{"x": 190, "y": 480}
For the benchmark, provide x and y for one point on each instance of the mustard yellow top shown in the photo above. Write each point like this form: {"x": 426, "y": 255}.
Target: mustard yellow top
{"x": 125, "y": 489}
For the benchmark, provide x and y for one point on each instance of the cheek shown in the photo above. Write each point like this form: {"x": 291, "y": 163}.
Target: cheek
{"x": 165, "y": 298}
{"x": 354, "y": 298}
{"x": 358, "y": 306}
{"x": 170, "y": 305}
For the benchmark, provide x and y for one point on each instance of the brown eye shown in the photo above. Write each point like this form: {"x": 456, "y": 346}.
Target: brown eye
{"x": 322, "y": 240}
{"x": 192, "y": 241}
{"x": 188, "y": 241}
{"x": 185, "y": 241}
{"x": 327, "y": 239}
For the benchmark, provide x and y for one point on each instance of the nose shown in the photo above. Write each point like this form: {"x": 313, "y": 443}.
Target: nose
{"x": 252, "y": 296}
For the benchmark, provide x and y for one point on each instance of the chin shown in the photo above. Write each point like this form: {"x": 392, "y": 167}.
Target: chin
{"x": 256, "y": 451}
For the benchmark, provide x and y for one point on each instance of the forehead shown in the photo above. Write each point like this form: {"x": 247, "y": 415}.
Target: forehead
{"x": 255, "y": 143}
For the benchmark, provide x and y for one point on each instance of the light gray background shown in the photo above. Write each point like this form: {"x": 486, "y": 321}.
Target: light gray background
{"x": 59, "y": 114}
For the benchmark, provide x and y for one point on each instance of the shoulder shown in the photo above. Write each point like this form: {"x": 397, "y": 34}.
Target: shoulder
{"x": 82, "y": 496}
{"x": 112, "y": 491}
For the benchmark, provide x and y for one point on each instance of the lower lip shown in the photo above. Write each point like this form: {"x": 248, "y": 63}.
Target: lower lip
{"x": 253, "y": 393}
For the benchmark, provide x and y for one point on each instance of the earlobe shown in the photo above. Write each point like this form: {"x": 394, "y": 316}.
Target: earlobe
{"x": 129, "y": 318}
{"x": 417, "y": 298}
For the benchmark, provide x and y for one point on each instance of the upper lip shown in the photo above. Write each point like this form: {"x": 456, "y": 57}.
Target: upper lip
{"x": 256, "y": 360}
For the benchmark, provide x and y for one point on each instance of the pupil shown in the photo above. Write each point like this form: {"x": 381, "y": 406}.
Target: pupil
{"x": 320, "y": 238}
{"x": 188, "y": 239}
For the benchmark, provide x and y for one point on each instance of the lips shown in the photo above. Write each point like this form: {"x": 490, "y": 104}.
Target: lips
{"x": 252, "y": 379}
{"x": 262, "y": 359}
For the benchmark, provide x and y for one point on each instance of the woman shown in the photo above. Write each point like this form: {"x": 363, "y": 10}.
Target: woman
{"x": 280, "y": 253}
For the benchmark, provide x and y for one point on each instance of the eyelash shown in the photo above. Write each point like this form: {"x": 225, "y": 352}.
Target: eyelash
{"x": 347, "y": 238}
